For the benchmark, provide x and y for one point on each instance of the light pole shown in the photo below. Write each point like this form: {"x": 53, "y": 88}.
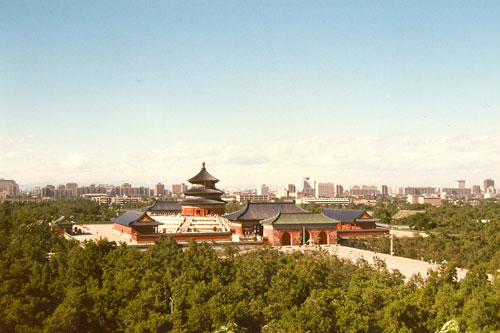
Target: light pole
{"x": 171, "y": 298}
{"x": 392, "y": 244}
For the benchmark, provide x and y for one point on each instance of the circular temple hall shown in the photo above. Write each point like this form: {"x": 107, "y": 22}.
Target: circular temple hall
{"x": 203, "y": 198}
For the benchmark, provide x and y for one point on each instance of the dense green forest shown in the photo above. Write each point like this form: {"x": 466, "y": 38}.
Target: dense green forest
{"x": 51, "y": 284}
{"x": 466, "y": 234}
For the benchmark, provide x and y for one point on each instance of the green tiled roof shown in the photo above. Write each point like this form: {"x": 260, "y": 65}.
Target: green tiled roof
{"x": 62, "y": 221}
{"x": 299, "y": 219}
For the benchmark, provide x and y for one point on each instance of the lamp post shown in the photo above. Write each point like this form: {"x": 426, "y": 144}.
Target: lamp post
{"x": 392, "y": 244}
{"x": 171, "y": 298}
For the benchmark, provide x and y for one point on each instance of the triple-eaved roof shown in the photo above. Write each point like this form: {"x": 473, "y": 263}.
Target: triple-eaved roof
{"x": 263, "y": 210}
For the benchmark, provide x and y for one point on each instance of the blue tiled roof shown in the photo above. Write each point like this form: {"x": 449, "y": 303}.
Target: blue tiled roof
{"x": 128, "y": 217}
{"x": 343, "y": 215}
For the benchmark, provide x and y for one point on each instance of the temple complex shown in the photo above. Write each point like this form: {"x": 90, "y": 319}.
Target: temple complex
{"x": 200, "y": 216}
{"x": 203, "y": 199}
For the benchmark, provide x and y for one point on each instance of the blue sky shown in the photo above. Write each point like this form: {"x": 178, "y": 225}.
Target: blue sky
{"x": 265, "y": 92}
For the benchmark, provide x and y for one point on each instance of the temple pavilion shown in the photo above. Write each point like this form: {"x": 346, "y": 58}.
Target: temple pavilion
{"x": 246, "y": 221}
{"x": 300, "y": 229}
{"x": 203, "y": 198}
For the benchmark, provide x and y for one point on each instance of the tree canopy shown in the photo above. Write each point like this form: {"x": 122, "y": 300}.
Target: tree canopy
{"x": 51, "y": 284}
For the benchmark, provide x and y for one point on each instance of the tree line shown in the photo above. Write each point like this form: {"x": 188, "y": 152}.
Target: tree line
{"x": 467, "y": 234}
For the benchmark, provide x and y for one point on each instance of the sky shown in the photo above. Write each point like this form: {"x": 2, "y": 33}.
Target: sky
{"x": 403, "y": 93}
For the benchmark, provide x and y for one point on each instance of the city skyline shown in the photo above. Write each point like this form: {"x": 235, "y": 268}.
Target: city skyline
{"x": 353, "y": 93}
{"x": 256, "y": 188}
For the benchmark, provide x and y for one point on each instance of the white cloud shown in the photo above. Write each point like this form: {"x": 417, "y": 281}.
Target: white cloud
{"x": 75, "y": 162}
{"x": 15, "y": 140}
{"x": 364, "y": 160}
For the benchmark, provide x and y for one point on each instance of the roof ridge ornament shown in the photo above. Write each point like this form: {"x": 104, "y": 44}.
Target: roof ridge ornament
{"x": 203, "y": 165}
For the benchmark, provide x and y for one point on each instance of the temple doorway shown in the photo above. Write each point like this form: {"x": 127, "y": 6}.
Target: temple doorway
{"x": 322, "y": 238}
{"x": 286, "y": 239}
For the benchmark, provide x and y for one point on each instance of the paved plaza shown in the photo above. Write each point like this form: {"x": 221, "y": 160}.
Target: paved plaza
{"x": 98, "y": 231}
{"x": 404, "y": 233}
{"x": 407, "y": 267}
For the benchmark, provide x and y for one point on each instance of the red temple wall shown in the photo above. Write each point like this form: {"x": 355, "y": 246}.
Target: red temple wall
{"x": 274, "y": 236}
{"x": 122, "y": 228}
{"x": 145, "y": 238}
{"x": 60, "y": 231}
{"x": 237, "y": 228}
{"x": 200, "y": 211}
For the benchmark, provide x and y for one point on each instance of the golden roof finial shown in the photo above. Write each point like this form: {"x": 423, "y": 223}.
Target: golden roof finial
{"x": 203, "y": 165}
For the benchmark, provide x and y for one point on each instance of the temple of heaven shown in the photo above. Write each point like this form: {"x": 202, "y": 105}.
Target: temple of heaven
{"x": 203, "y": 199}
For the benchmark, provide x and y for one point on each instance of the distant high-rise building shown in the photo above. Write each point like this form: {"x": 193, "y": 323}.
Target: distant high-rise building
{"x": 476, "y": 189}
{"x": 159, "y": 190}
{"x": 363, "y": 190}
{"x": 488, "y": 183}
{"x": 282, "y": 193}
{"x": 124, "y": 189}
{"x": 455, "y": 192}
{"x": 263, "y": 190}
{"x": 9, "y": 187}
{"x": 178, "y": 189}
{"x": 72, "y": 189}
{"x": 48, "y": 191}
{"x": 459, "y": 183}
{"x": 292, "y": 188}
{"x": 307, "y": 186}
{"x": 385, "y": 190}
{"x": 417, "y": 190}
{"x": 36, "y": 191}
{"x": 60, "y": 191}
{"x": 325, "y": 190}
{"x": 398, "y": 191}
{"x": 339, "y": 190}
